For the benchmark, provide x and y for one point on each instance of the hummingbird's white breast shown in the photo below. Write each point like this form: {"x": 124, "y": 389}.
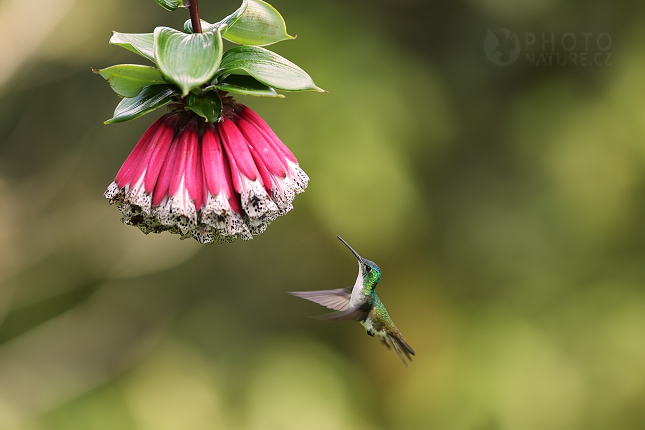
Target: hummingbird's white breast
{"x": 358, "y": 297}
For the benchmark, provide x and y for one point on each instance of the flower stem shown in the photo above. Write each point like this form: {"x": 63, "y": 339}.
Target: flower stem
{"x": 194, "y": 16}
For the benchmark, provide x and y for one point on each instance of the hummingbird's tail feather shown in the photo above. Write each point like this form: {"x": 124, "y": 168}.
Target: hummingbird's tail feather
{"x": 337, "y": 299}
{"x": 399, "y": 345}
{"x": 398, "y": 351}
{"x": 385, "y": 342}
{"x": 404, "y": 345}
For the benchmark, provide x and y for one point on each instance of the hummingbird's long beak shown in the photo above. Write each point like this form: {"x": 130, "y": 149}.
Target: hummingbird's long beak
{"x": 358, "y": 257}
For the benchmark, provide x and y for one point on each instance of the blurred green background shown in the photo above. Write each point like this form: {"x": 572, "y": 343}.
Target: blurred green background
{"x": 504, "y": 205}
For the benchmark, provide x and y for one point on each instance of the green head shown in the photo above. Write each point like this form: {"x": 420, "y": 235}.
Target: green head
{"x": 369, "y": 270}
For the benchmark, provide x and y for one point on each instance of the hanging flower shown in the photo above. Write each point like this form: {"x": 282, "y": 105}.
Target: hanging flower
{"x": 212, "y": 182}
{"x": 211, "y": 168}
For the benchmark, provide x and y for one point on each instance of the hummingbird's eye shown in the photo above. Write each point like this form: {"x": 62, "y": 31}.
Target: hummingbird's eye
{"x": 369, "y": 269}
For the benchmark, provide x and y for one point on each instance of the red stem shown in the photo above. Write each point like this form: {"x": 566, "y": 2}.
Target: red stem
{"x": 194, "y": 16}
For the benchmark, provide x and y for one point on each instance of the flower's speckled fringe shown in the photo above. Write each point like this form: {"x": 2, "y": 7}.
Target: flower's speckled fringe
{"x": 213, "y": 223}
{"x": 160, "y": 188}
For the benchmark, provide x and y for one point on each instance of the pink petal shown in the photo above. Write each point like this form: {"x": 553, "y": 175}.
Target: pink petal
{"x": 200, "y": 196}
{"x": 254, "y": 118}
{"x": 147, "y": 154}
{"x": 264, "y": 173}
{"x": 204, "y": 185}
{"x": 134, "y": 158}
{"x": 180, "y": 162}
{"x": 213, "y": 160}
{"x": 165, "y": 175}
{"x": 237, "y": 149}
{"x": 233, "y": 197}
{"x": 234, "y": 172}
{"x": 160, "y": 153}
{"x": 193, "y": 167}
{"x": 274, "y": 162}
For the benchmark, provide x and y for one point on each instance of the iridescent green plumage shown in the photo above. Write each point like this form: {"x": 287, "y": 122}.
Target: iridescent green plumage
{"x": 379, "y": 313}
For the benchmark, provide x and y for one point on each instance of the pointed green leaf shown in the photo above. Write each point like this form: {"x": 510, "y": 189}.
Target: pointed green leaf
{"x": 188, "y": 60}
{"x": 149, "y": 99}
{"x": 170, "y": 4}
{"x": 259, "y": 24}
{"x": 206, "y": 26}
{"x": 139, "y": 43}
{"x": 267, "y": 67}
{"x": 207, "y": 105}
{"x": 224, "y": 24}
{"x": 245, "y": 85}
{"x": 254, "y": 23}
{"x": 127, "y": 80}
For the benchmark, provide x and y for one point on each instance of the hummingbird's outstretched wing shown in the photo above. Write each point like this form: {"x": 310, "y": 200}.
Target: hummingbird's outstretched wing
{"x": 337, "y": 299}
{"x": 346, "y": 315}
{"x": 359, "y": 314}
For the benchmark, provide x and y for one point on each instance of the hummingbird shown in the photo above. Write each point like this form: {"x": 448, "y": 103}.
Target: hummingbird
{"x": 360, "y": 303}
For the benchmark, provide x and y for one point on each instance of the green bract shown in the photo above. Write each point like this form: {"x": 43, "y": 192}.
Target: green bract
{"x": 259, "y": 24}
{"x": 244, "y": 85}
{"x": 267, "y": 67}
{"x": 223, "y": 24}
{"x": 139, "y": 43}
{"x": 149, "y": 99}
{"x": 188, "y": 60}
{"x": 208, "y": 105}
{"x": 127, "y": 80}
{"x": 192, "y": 69}
{"x": 254, "y": 23}
{"x": 170, "y": 4}
{"x": 206, "y": 26}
